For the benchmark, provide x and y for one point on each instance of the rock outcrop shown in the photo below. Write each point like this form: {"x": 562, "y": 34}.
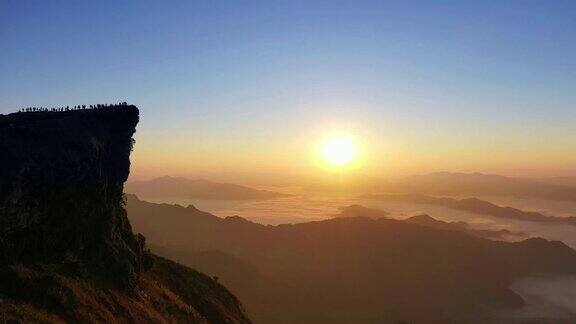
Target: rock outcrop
{"x": 61, "y": 184}
{"x": 67, "y": 250}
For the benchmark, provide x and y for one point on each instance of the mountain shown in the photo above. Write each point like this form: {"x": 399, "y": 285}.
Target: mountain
{"x": 426, "y": 220}
{"x": 476, "y": 184}
{"x": 456, "y": 184}
{"x": 67, "y": 250}
{"x": 267, "y": 296}
{"x": 477, "y": 206}
{"x": 198, "y": 189}
{"x": 567, "y": 181}
{"x": 359, "y": 210}
{"x": 353, "y": 269}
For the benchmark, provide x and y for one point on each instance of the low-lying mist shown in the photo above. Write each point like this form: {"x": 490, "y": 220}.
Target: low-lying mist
{"x": 311, "y": 207}
{"x": 546, "y": 297}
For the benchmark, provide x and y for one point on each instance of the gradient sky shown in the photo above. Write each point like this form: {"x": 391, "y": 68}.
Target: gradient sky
{"x": 253, "y": 86}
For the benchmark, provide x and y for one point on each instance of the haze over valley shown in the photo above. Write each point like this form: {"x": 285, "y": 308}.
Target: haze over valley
{"x": 510, "y": 218}
{"x": 288, "y": 162}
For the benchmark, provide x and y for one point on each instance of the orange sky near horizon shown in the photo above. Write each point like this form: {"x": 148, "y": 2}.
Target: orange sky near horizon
{"x": 383, "y": 153}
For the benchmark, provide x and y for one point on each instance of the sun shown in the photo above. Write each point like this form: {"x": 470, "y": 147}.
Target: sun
{"x": 339, "y": 150}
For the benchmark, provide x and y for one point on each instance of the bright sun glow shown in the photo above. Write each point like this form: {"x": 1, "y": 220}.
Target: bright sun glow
{"x": 339, "y": 150}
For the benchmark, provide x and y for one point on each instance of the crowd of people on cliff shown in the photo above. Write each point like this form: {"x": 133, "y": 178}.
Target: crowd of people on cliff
{"x": 79, "y": 107}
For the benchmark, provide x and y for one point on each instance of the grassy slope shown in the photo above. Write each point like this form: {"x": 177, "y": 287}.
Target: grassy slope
{"x": 168, "y": 292}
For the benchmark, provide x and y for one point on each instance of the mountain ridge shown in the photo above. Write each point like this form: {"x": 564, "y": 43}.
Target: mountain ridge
{"x": 458, "y": 184}
{"x": 476, "y": 205}
{"x": 168, "y": 186}
{"x": 365, "y": 266}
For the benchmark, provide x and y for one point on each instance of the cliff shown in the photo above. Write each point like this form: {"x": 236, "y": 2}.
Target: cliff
{"x": 61, "y": 184}
{"x": 67, "y": 250}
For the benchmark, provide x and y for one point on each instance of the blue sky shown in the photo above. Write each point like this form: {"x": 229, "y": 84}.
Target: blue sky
{"x": 245, "y": 76}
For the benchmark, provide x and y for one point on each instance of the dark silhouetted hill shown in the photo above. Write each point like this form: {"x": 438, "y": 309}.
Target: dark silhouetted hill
{"x": 477, "y": 206}
{"x": 354, "y": 269}
{"x": 198, "y": 189}
{"x": 375, "y": 213}
{"x": 67, "y": 250}
{"x": 358, "y": 210}
{"x": 427, "y": 220}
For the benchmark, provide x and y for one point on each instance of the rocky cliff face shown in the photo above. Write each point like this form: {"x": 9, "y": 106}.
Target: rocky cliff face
{"x": 61, "y": 183}
{"x": 67, "y": 250}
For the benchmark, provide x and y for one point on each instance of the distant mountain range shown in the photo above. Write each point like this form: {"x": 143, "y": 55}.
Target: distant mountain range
{"x": 359, "y": 210}
{"x": 426, "y": 220}
{"x": 351, "y": 269}
{"x": 478, "y": 184}
{"x": 568, "y": 181}
{"x": 477, "y": 206}
{"x": 461, "y": 184}
{"x": 196, "y": 189}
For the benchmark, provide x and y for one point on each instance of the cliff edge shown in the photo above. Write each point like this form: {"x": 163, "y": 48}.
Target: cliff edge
{"x": 61, "y": 182}
{"x": 67, "y": 250}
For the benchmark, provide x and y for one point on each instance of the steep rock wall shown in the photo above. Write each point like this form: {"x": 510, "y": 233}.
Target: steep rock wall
{"x": 61, "y": 184}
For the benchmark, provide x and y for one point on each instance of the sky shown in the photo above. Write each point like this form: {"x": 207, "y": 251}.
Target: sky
{"x": 255, "y": 86}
